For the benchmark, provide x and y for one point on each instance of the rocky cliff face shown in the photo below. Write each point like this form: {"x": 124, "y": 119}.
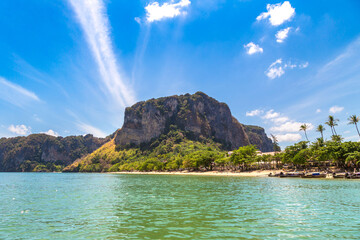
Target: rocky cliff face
{"x": 198, "y": 114}
{"x": 25, "y": 153}
{"x": 258, "y": 137}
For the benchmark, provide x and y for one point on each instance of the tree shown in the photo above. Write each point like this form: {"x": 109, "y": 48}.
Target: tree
{"x": 321, "y": 130}
{"x": 353, "y": 158}
{"x": 332, "y": 122}
{"x": 276, "y": 143}
{"x": 243, "y": 156}
{"x": 353, "y": 119}
{"x": 304, "y": 127}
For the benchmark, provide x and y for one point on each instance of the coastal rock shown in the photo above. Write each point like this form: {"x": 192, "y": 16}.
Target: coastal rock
{"x": 25, "y": 153}
{"x": 198, "y": 114}
{"x": 258, "y": 137}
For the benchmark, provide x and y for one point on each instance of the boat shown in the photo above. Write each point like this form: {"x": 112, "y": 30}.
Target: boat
{"x": 274, "y": 175}
{"x": 336, "y": 175}
{"x": 314, "y": 175}
{"x": 290, "y": 174}
{"x": 354, "y": 175}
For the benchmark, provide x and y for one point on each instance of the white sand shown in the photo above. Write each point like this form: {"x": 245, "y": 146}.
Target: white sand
{"x": 264, "y": 173}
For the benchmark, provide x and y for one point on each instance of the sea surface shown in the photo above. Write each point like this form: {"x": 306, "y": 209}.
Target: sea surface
{"x": 114, "y": 206}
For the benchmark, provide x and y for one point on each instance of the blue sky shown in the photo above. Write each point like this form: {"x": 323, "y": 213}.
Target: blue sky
{"x": 70, "y": 67}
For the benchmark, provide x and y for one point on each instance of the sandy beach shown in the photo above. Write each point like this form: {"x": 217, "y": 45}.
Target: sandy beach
{"x": 209, "y": 173}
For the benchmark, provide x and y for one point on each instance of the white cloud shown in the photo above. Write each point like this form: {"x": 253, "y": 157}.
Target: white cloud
{"x": 304, "y": 65}
{"x": 318, "y": 110}
{"x": 271, "y": 114}
{"x": 16, "y": 94}
{"x": 88, "y": 129}
{"x": 252, "y": 48}
{"x": 288, "y": 137}
{"x": 275, "y": 70}
{"x": 155, "y": 12}
{"x": 138, "y": 20}
{"x": 20, "y": 129}
{"x": 284, "y": 128}
{"x": 95, "y": 24}
{"x": 253, "y": 113}
{"x": 51, "y": 133}
{"x": 277, "y": 13}
{"x": 290, "y": 127}
{"x": 335, "y": 109}
{"x": 282, "y": 34}
{"x": 280, "y": 120}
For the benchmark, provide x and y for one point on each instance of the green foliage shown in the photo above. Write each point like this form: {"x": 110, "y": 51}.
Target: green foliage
{"x": 244, "y": 156}
{"x": 40, "y": 152}
{"x": 336, "y": 152}
{"x": 173, "y": 151}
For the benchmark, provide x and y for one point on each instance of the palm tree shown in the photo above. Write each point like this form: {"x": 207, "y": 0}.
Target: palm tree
{"x": 304, "y": 127}
{"x": 332, "y": 122}
{"x": 321, "y": 130}
{"x": 353, "y": 119}
{"x": 276, "y": 143}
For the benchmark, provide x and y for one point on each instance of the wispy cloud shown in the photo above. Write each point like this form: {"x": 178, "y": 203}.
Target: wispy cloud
{"x": 271, "y": 114}
{"x": 253, "y": 113}
{"x": 51, "y": 132}
{"x": 86, "y": 129}
{"x": 252, "y": 48}
{"x": 334, "y": 81}
{"x": 277, "y": 68}
{"x": 138, "y": 20}
{"x": 157, "y": 12}
{"x": 336, "y": 109}
{"x": 20, "y": 129}
{"x": 278, "y": 13}
{"x": 290, "y": 126}
{"x": 288, "y": 137}
{"x": 95, "y": 24}
{"x": 16, "y": 94}
{"x": 281, "y": 35}
{"x": 284, "y": 128}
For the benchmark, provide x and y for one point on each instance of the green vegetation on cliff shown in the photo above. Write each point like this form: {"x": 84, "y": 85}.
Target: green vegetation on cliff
{"x": 172, "y": 151}
{"x": 44, "y": 153}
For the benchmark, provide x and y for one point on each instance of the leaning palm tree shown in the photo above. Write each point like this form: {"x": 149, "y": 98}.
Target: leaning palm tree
{"x": 276, "y": 143}
{"x": 332, "y": 122}
{"x": 353, "y": 119}
{"x": 304, "y": 127}
{"x": 321, "y": 130}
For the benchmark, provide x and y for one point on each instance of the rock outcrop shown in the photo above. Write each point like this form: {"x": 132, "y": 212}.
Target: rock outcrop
{"x": 25, "y": 153}
{"x": 258, "y": 137}
{"x": 198, "y": 114}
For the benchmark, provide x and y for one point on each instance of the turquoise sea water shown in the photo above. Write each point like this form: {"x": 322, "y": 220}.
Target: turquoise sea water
{"x": 112, "y": 206}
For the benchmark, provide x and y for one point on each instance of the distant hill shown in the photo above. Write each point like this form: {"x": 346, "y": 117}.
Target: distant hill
{"x": 163, "y": 133}
{"x": 170, "y": 132}
{"x": 41, "y": 152}
{"x": 197, "y": 114}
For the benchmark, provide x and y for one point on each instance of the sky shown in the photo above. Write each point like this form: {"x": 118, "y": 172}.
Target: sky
{"x": 70, "y": 67}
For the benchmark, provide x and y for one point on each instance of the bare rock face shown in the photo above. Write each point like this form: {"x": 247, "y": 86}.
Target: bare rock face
{"x": 198, "y": 114}
{"x": 44, "y": 149}
{"x": 258, "y": 137}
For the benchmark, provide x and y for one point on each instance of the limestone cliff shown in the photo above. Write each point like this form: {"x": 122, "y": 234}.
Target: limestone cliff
{"x": 258, "y": 137}
{"x": 27, "y": 153}
{"x": 197, "y": 114}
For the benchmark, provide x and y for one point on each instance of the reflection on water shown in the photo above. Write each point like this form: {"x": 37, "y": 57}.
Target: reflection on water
{"x": 98, "y": 206}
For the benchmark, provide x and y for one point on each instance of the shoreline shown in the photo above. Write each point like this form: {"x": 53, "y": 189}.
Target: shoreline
{"x": 262, "y": 173}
